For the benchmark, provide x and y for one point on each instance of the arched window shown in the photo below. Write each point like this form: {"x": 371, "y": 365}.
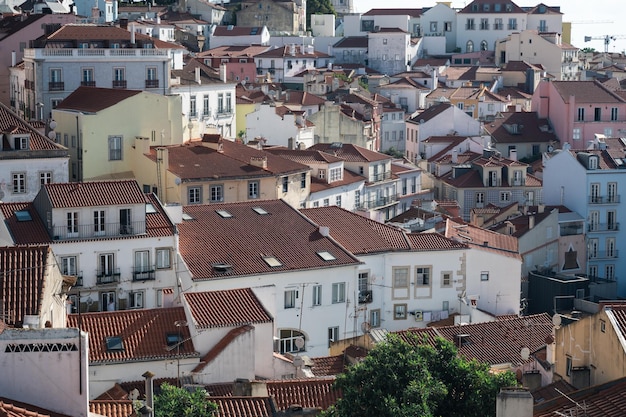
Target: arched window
{"x": 469, "y": 47}
{"x": 483, "y": 46}
{"x": 289, "y": 341}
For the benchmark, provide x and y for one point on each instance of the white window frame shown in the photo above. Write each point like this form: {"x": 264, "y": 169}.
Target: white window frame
{"x": 115, "y": 148}
{"x": 163, "y": 258}
{"x": 136, "y": 299}
{"x": 316, "y": 295}
{"x": 423, "y": 276}
{"x": 194, "y": 195}
{"x": 217, "y": 193}
{"x": 19, "y": 182}
{"x": 290, "y": 298}
{"x": 339, "y": 292}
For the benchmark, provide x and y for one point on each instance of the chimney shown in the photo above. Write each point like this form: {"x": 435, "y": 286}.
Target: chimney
{"x": 514, "y": 402}
{"x": 149, "y": 407}
{"x": 132, "y": 33}
{"x": 455, "y": 156}
{"x": 223, "y": 73}
{"x": 531, "y": 221}
{"x": 513, "y": 154}
{"x": 197, "y": 75}
{"x": 13, "y": 58}
{"x": 259, "y": 161}
{"x": 541, "y": 208}
{"x": 124, "y": 23}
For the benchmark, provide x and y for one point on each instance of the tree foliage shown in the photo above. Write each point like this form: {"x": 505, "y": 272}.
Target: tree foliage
{"x": 178, "y": 402}
{"x": 399, "y": 378}
{"x": 318, "y": 7}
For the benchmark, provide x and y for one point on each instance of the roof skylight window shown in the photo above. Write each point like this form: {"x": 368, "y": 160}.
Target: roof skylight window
{"x": 114, "y": 344}
{"x": 223, "y": 213}
{"x": 272, "y": 261}
{"x": 260, "y": 210}
{"x": 327, "y": 256}
{"x": 23, "y": 216}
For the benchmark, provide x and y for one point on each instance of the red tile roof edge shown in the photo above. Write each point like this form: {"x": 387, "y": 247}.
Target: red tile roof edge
{"x": 221, "y": 346}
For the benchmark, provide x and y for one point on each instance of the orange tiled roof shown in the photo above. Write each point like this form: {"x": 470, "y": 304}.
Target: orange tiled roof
{"x": 243, "y": 406}
{"x": 10, "y": 122}
{"x": 246, "y": 240}
{"x": 328, "y": 365}
{"x": 586, "y": 92}
{"x": 112, "y": 408}
{"x": 22, "y": 281}
{"x": 314, "y": 392}
{"x": 351, "y": 153}
{"x": 94, "y": 99}
{"x": 86, "y": 32}
{"x": 10, "y": 408}
{"x": 94, "y": 193}
{"x": 143, "y": 334}
{"x": 483, "y": 239}
{"x": 349, "y": 177}
{"x": 226, "y": 308}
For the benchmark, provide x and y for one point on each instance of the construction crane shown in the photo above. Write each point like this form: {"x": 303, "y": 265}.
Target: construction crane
{"x": 606, "y": 38}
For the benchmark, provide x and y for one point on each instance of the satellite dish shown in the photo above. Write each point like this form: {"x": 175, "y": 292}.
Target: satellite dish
{"x": 133, "y": 395}
{"x": 422, "y": 121}
{"x": 525, "y": 353}
{"x": 299, "y": 342}
{"x": 556, "y": 320}
{"x": 365, "y": 327}
{"x": 298, "y": 361}
{"x": 177, "y": 181}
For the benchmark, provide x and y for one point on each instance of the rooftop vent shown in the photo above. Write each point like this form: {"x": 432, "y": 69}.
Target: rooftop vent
{"x": 221, "y": 267}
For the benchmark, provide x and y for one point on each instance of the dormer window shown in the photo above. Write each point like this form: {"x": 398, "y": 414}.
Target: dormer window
{"x": 114, "y": 344}
{"x": 20, "y": 142}
{"x": 593, "y": 162}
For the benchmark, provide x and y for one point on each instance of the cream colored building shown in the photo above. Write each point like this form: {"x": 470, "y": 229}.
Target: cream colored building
{"x": 99, "y": 127}
{"x": 216, "y": 170}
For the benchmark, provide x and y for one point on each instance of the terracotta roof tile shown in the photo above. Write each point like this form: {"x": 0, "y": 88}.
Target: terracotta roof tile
{"x": 142, "y": 332}
{"x": 417, "y": 12}
{"x": 551, "y": 391}
{"x": 328, "y": 365}
{"x": 243, "y": 406}
{"x": 352, "y": 42}
{"x": 351, "y": 153}
{"x": 75, "y": 32}
{"x": 195, "y": 160}
{"x": 433, "y": 241}
{"x": 313, "y": 392}
{"x": 187, "y": 75}
{"x": 349, "y": 177}
{"x": 23, "y": 232}
{"x": 303, "y": 98}
{"x": 483, "y": 239}
{"x": 514, "y": 8}
{"x": 604, "y": 400}
{"x": 586, "y": 92}
{"x": 304, "y": 156}
{"x": 358, "y": 234}
{"x": 232, "y": 30}
{"x": 94, "y": 193}
{"x": 226, "y": 308}
{"x": 158, "y": 223}
{"x": 431, "y": 112}
{"x": 245, "y": 239}
{"x": 112, "y": 408}
{"x": 10, "y": 122}
{"x": 11, "y": 408}
{"x": 285, "y": 51}
{"x": 520, "y": 127}
{"x": 22, "y": 281}
{"x": 95, "y": 99}
{"x": 494, "y": 342}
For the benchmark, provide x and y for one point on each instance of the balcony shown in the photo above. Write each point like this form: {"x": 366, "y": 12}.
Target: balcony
{"x": 91, "y": 231}
{"x": 61, "y": 54}
{"x": 119, "y": 83}
{"x": 470, "y": 26}
{"x": 224, "y": 111}
{"x": 603, "y": 199}
{"x": 381, "y": 176}
{"x": 542, "y": 28}
{"x": 512, "y": 26}
{"x": 56, "y": 86}
{"x": 603, "y": 227}
{"x": 365, "y": 297}
{"x": 378, "y": 202}
{"x": 602, "y": 254}
{"x": 143, "y": 274}
{"x": 152, "y": 83}
{"x": 498, "y": 26}
{"x": 88, "y": 83}
{"x": 108, "y": 276}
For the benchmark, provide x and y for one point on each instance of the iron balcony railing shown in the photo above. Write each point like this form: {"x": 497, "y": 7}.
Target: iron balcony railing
{"x": 90, "y": 231}
{"x": 107, "y": 276}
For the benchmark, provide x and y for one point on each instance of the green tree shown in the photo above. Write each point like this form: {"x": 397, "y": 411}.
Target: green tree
{"x": 399, "y": 378}
{"x": 318, "y": 7}
{"x": 178, "y": 402}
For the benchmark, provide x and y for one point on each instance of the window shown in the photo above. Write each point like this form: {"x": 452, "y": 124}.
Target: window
{"x": 611, "y": 192}
{"x": 339, "y": 292}
{"x": 205, "y": 105}
{"x": 135, "y": 299}
{"x": 290, "y": 298}
{"x": 115, "y": 148}
{"x": 317, "y": 295}
{"x": 285, "y": 184}
{"x": 608, "y": 132}
{"x": 163, "y": 258}
{"x": 614, "y": 114}
{"x": 316, "y": 204}
{"x": 99, "y": 223}
{"x": 484, "y": 276}
{"x": 433, "y": 26}
{"x": 568, "y": 366}
{"x": 469, "y": 46}
{"x": 469, "y": 24}
{"x": 357, "y": 198}
{"x": 326, "y": 202}
{"x": 581, "y": 114}
{"x": 142, "y": 263}
{"x": 400, "y": 282}
{"x": 446, "y": 279}
{"x": 321, "y": 174}
{"x": 19, "y": 182}
{"x": 484, "y": 24}
{"x": 375, "y": 318}
{"x": 338, "y": 201}
{"x": 497, "y": 24}
{"x": 593, "y": 162}
{"x": 480, "y": 199}
{"x": 303, "y": 180}
{"x": 422, "y": 276}
{"x": 114, "y": 344}
{"x": 56, "y": 75}
{"x": 253, "y": 189}
{"x": 447, "y": 26}
{"x": 119, "y": 74}
{"x": 217, "y": 193}
{"x": 288, "y": 341}
{"x": 336, "y": 174}
{"x": 597, "y": 114}
{"x": 107, "y": 302}
{"x": 68, "y": 265}
{"x": 399, "y": 311}
{"x": 505, "y": 196}
{"x": 194, "y": 195}
{"x": 576, "y": 133}
{"x": 384, "y": 41}
{"x": 333, "y": 334}
{"x": 611, "y": 217}
{"x": 72, "y": 224}
{"x": 126, "y": 226}
{"x": 602, "y": 326}
{"x": 72, "y": 301}
{"x": 610, "y": 247}
{"x": 192, "y": 106}
{"x": 512, "y": 23}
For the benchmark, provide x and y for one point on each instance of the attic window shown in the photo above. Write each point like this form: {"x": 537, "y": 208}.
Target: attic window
{"x": 327, "y": 256}
{"x": 272, "y": 261}
{"x": 260, "y": 210}
{"x": 23, "y": 216}
{"x": 223, "y": 213}
{"x": 222, "y": 267}
{"x": 150, "y": 209}
{"x": 173, "y": 339}
{"x": 187, "y": 217}
{"x": 114, "y": 344}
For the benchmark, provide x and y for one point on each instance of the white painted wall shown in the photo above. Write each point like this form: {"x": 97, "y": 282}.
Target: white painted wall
{"x": 32, "y": 167}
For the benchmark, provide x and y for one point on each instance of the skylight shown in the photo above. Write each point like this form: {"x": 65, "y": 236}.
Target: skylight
{"x": 272, "y": 261}
{"x": 187, "y": 216}
{"x": 114, "y": 344}
{"x": 223, "y": 213}
{"x": 260, "y": 210}
{"x": 327, "y": 256}
{"x": 173, "y": 339}
{"x": 23, "y": 216}
{"x": 150, "y": 208}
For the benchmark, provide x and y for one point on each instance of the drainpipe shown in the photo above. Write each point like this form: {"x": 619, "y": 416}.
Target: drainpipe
{"x": 148, "y": 409}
